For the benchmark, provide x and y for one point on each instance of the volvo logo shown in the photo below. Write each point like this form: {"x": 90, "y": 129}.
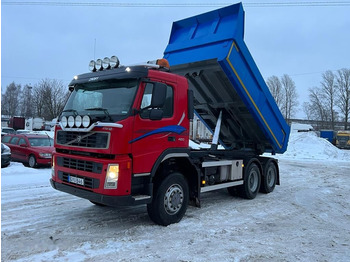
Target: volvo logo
{"x": 78, "y": 139}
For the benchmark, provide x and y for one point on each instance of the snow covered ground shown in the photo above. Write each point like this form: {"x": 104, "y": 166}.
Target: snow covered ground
{"x": 306, "y": 218}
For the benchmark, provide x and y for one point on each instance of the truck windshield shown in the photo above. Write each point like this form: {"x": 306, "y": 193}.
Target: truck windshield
{"x": 343, "y": 138}
{"x": 104, "y": 101}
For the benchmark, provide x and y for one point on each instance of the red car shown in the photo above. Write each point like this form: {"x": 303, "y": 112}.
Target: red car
{"x": 30, "y": 149}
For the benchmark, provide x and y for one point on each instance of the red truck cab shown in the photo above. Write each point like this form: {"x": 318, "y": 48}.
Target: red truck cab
{"x": 114, "y": 128}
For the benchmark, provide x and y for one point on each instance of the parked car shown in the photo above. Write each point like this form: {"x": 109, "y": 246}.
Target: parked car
{"x": 30, "y": 149}
{"x": 22, "y": 131}
{"x": 7, "y": 130}
{"x": 5, "y": 155}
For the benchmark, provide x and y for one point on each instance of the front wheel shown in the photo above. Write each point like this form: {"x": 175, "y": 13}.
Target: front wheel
{"x": 170, "y": 200}
{"x": 32, "y": 161}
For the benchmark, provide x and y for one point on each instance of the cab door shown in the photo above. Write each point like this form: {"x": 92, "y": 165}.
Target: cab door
{"x": 155, "y": 126}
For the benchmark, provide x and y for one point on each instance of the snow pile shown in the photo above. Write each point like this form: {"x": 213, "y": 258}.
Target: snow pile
{"x": 296, "y": 127}
{"x": 307, "y": 145}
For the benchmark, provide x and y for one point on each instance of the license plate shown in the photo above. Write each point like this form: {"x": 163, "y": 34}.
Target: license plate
{"x": 76, "y": 180}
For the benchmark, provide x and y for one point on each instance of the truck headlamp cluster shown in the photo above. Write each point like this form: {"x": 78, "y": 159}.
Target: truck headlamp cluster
{"x": 104, "y": 64}
{"x": 112, "y": 176}
{"x": 77, "y": 121}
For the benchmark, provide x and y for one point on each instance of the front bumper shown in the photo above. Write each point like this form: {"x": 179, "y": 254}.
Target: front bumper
{"x": 5, "y": 160}
{"x": 107, "y": 200}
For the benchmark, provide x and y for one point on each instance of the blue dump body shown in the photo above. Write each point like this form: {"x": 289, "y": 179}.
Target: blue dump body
{"x": 210, "y": 51}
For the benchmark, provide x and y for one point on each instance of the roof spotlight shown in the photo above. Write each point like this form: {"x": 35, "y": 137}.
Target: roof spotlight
{"x": 98, "y": 64}
{"x": 114, "y": 61}
{"x": 92, "y": 65}
{"x": 105, "y": 63}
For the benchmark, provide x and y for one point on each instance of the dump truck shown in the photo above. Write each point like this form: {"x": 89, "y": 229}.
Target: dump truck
{"x": 123, "y": 136}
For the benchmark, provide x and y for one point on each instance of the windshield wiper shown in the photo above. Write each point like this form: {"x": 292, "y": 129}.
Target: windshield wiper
{"x": 75, "y": 112}
{"x": 100, "y": 109}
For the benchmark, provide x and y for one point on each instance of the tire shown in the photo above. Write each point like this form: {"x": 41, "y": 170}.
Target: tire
{"x": 32, "y": 161}
{"x": 97, "y": 204}
{"x": 252, "y": 181}
{"x": 269, "y": 179}
{"x": 170, "y": 200}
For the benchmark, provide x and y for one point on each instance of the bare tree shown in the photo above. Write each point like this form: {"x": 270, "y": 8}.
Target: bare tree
{"x": 343, "y": 103}
{"x": 49, "y": 96}
{"x": 10, "y": 100}
{"x": 316, "y": 109}
{"x": 290, "y": 102}
{"x": 38, "y": 97}
{"x": 276, "y": 90}
{"x": 56, "y": 95}
{"x": 328, "y": 93}
{"x": 26, "y": 101}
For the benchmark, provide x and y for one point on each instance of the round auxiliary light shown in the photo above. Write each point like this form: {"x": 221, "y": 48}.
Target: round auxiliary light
{"x": 98, "y": 64}
{"x": 78, "y": 121}
{"x": 105, "y": 63}
{"x": 86, "y": 121}
{"x": 71, "y": 121}
{"x": 64, "y": 121}
{"x": 92, "y": 65}
{"x": 114, "y": 61}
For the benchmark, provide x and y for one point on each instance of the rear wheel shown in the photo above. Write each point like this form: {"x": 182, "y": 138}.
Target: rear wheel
{"x": 269, "y": 179}
{"x": 170, "y": 200}
{"x": 252, "y": 180}
{"x": 32, "y": 161}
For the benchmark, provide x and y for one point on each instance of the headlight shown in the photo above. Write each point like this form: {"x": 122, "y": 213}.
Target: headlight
{"x": 114, "y": 62}
{"x": 86, "y": 121}
{"x": 64, "y": 121}
{"x": 53, "y": 166}
{"x": 78, "y": 121}
{"x": 5, "y": 149}
{"x": 98, "y": 64}
{"x": 71, "y": 121}
{"x": 92, "y": 65}
{"x": 112, "y": 176}
{"x": 45, "y": 155}
{"x": 105, "y": 63}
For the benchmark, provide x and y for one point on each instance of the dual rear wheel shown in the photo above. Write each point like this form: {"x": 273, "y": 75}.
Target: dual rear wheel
{"x": 254, "y": 181}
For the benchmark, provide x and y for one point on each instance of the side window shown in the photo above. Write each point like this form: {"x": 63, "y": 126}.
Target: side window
{"x": 168, "y": 108}
{"x": 22, "y": 141}
{"x": 14, "y": 140}
{"x": 6, "y": 139}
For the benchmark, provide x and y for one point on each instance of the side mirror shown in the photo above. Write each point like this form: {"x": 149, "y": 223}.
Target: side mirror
{"x": 23, "y": 145}
{"x": 158, "y": 95}
{"x": 156, "y": 114}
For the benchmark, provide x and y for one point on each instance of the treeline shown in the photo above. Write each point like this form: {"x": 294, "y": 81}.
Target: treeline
{"x": 45, "y": 99}
{"x": 328, "y": 103}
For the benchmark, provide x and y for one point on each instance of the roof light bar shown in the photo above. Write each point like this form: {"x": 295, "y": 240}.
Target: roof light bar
{"x": 104, "y": 64}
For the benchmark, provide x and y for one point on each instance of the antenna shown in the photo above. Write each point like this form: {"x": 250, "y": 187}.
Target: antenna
{"x": 95, "y": 49}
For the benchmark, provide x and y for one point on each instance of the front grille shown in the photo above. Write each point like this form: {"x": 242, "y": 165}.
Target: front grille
{"x": 89, "y": 182}
{"x": 83, "y": 139}
{"x": 83, "y": 165}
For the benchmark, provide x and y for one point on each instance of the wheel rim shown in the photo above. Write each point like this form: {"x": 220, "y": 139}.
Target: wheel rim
{"x": 31, "y": 161}
{"x": 253, "y": 180}
{"x": 173, "y": 199}
{"x": 270, "y": 177}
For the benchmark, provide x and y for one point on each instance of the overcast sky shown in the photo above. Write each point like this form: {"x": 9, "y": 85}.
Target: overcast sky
{"x": 58, "y": 41}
